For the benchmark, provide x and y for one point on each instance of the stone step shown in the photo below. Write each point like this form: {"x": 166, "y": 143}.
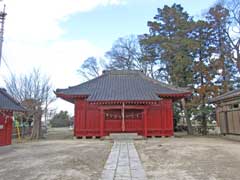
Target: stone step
{"x": 124, "y": 136}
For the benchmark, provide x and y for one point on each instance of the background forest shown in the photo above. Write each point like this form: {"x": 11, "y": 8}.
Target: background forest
{"x": 200, "y": 54}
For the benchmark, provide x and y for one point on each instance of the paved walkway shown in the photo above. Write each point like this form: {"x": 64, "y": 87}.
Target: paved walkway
{"x": 123, "y": 163}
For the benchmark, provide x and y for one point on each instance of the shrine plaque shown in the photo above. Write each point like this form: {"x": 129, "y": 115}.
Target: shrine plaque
{"x": 1, "y": 126}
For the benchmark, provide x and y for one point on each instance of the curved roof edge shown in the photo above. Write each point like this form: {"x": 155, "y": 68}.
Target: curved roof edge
{"x": 8, "y": 103}
{"x": 135, "y": 85}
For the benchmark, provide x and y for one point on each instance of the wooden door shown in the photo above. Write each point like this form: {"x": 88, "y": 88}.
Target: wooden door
{"x": 115, "y": 123}
{"x": 112, "y": 121}
{"x": 133, "y": 120}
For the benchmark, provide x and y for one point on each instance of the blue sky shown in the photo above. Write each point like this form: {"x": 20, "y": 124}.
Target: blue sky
{"x": 56, "y": 36}
{"x": 105, "y": 24}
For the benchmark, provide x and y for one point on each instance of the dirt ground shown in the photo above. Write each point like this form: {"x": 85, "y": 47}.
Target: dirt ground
{"x": 186, "y": 158}
{"x": 190, "y": 158}
{"x": 59, "y": 133}
{"x": 54, "y": 160}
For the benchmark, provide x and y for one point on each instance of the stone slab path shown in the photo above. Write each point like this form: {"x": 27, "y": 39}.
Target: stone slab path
{"x": 123, "y": 163}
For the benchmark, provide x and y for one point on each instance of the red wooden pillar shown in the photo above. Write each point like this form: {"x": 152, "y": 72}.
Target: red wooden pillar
{"x": 145, "y": 123}
{"x": 123, "y": 117}
{"x": 101, "y": 122}
{"x": 9, "y": 130}
{"x": 84, "y": 115}
{"x": 171, "y": 117}
{"x": 76, "y": 124}
{"x": 2, "y": 131}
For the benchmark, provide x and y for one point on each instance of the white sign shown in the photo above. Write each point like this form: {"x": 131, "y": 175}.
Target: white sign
{"x": 1, "y": 126}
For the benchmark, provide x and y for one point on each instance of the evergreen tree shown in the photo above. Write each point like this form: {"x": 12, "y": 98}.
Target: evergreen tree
{"x": 61, "y": 119}
{"x": 204, "y": 72}
{"x": 170, "y": 38}
{"x": 169, "y": 35}
{"x": 218, "y": 18}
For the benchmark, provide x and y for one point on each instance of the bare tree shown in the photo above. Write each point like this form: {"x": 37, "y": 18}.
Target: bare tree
{"x": 90, "y": 68}
{"x": 233, "y": 27}
{"x": 128, "y": 53}
{"x": 35, "y": 92}
{"x": 124, "y": 54}
{"x": 233, "y": 32}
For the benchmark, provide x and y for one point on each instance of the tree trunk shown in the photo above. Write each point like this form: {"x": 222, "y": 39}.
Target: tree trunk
{"x": 204, "y": 118}
{"x": 22, "y": 128}
{"x": 189, "y": 124}
{"x": 238, "y": 61}
{"x": 36, "y": 130}
{"x": 204, "y": 124}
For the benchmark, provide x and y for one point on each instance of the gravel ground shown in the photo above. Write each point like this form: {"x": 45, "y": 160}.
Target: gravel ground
{"x": 54, "y": 160}
{"x": 190, "y": 158}
{"x": 187, "y": 158}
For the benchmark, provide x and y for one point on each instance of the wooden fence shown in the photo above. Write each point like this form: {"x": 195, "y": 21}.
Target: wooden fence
{"x": 230, "y": 121}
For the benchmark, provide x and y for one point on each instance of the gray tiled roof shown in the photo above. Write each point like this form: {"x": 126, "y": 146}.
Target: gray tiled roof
{"x": 225, "y": 96}
{"x": 121, "y": 85}
{"x": 8, "y": 103}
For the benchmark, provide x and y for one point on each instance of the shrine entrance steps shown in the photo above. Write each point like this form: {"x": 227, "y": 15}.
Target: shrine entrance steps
{"x": 123, "y": 136}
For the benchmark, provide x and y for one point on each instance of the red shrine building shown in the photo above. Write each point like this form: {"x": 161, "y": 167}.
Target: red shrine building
{"x": 122, "y": 101}
{"x": 7, "y": 106}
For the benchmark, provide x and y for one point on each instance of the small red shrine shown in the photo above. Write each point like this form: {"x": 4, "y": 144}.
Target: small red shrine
{"x": 7, "y": 106}
{"x": 122, "y": 101}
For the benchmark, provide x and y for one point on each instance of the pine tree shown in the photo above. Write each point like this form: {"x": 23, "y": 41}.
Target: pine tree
{"x": 169, "y": 37}
{"x": 169, "y": 34}
{"x": 218, "y": 18}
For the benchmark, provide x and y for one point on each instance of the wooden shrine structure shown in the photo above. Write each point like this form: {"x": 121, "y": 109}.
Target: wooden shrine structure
{"x": 7, "y": 106}
{"x": 228, "y": 112}
{"x": 122, "y": 101}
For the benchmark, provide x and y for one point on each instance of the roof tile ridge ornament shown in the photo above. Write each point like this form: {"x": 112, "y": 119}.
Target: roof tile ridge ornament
{"x": 121, "y": 72}
{"x": 180, "y": 89}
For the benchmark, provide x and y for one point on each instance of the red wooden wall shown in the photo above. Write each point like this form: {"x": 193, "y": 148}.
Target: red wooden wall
{"x": 5, "y": 129}
{"x": 159, "y": 120}
{"x": 87, "y": 119}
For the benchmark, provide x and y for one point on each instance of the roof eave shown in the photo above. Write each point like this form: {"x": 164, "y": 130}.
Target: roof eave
{"x": 13, "y": 101}
{"x": 23, "y": 110}
{"x": 217, "y": 101}
{"x": 70, "y": 97}
{"x": 124, "y": 101}
{"x": 177, "y": 95}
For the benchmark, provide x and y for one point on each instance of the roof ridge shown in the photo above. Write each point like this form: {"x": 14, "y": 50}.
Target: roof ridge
{"x": 120, "y": 72}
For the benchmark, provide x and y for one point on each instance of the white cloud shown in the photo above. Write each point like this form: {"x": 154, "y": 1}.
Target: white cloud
{"x": 33, "y": 39}
{"x": 38, "y": 20}
{"x": 59, "y": 60}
